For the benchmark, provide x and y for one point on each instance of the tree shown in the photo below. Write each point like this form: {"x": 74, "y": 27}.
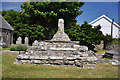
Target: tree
{"x": 86, "y": 34}
{"x": 47, "y": 14}
{"x": 33, "y": 32}
{"x": 11, "y": 16}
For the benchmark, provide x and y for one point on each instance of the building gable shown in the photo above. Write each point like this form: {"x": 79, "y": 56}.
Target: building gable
{"x": 105, "y": 18}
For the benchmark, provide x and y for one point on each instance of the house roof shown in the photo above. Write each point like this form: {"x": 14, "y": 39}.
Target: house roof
{"x": 5, "y": 24}
{"x": 107, "y": 18}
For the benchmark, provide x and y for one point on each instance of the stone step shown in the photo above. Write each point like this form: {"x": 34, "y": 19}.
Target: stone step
{"x": 63, "y": 49}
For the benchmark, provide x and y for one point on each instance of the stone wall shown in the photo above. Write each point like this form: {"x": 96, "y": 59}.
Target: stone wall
{"x": 7, "y": 37}
{"x": 83, "y": 62}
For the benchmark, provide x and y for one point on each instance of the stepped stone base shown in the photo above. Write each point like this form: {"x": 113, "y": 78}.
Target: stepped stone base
{"x": 58, "y": 53}
{"x": 82, "y": 62}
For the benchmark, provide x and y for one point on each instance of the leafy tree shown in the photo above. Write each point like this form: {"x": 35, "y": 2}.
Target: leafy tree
{"x": 38, "y": 20}
{"x": 86, "y": 34}
{"x": 33, "y": 32}
{"x": 11, "y": 16}
{"x": 48, "y": 13}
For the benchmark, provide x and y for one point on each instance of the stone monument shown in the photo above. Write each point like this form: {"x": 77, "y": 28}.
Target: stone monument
{"x": 60, "y": 35}
{"x": 26, "y": 41}
{"x": 19, "y": 40}
{"x": 60, "y": 50}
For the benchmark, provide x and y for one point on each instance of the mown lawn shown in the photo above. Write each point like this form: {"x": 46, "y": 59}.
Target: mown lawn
{"x": 10, "y": 70}
{"x": 4, "y": 48}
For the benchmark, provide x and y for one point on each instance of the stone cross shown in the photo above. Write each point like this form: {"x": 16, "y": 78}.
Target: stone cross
{"x": 26, "y": 41}
{"x": 60, "y": 34}
{"x": 19, "y": 40}
{"x": 61, "y": 25}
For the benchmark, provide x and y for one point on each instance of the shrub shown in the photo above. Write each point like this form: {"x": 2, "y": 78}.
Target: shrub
{"x": 107, "y": 39}
{"x": 115, "y": 41}
{"x": 12, "y": 48}
{"x": 19, "y": 47}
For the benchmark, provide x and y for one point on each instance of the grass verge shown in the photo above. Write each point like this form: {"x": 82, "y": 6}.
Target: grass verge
{"x": 11, "y": 70}
{"x": 5, "y": 48}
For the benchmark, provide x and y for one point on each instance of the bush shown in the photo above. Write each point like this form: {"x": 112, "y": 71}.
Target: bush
{"x": 20, "y": 47}
{"x": 12, "y": 48}
{"x": 115, "y": 41}
{"x": 107, "y": 39}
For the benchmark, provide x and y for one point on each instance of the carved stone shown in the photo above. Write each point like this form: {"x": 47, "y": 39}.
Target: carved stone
{"x": 60, "y": 35}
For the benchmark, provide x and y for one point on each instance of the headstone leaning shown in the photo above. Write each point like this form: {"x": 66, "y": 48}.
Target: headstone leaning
{"x": 26, "y": 41}
{"x": 19, "y": 40}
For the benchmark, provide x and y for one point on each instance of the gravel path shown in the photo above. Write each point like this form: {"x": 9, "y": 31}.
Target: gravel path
{"x": 8, "y": 51}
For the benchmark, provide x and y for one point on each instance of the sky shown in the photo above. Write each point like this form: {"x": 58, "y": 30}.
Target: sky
{"x": 91, "y": 10}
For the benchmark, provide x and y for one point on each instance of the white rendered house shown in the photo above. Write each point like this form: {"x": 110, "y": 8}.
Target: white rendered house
{"x": 105, "y": 24}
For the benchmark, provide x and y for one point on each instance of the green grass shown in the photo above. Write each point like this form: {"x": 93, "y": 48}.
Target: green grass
{"x": 115, "y": 41}
{"x": 105, "y": 58}
{"x": 11, "y": 70}
{"x": 100, "y": 51}
{"x": 4, "y": 48}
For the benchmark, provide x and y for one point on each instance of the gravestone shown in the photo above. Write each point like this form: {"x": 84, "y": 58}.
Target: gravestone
{"x": 35, "y": 43}
{"x": 26, "y": 41}
{"x": 100, "y": 46}
{"x": 19, "y": 40}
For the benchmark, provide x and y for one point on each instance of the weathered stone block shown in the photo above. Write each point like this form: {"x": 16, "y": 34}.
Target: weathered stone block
{"x": 70, "y": 62}
{"x": 55, "y": 57}
{"x": 92, "y": 59}
{"x": 32, "y": 57}
{"x": 83, "y": 48}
